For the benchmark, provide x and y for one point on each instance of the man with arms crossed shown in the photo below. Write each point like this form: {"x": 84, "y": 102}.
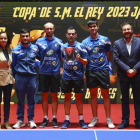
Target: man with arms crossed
{"x": 126, "y": 56}
{"x": 72, "y": 77}
{"x": 97, "y": 70}
{"x": 49, "y": 72}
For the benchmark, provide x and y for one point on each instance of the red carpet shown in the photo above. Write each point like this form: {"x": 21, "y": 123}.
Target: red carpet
{"x": 115, "y": 116}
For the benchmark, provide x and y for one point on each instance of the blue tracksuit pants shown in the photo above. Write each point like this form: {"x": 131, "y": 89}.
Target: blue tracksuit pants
{"x": 25, "y": 84}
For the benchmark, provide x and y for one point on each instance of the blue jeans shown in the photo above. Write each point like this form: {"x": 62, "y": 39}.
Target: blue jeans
{"x": 7, "y": 96}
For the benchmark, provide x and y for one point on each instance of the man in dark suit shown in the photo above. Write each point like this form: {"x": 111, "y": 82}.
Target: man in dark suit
{"x": 126, "y": 56}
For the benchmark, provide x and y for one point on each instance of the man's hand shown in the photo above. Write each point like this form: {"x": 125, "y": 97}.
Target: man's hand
{"x": 61, "y": 71}
{"x": 83, "y": 61}
{"x": 78, "y": 56}
{"x": 131, "y": 72}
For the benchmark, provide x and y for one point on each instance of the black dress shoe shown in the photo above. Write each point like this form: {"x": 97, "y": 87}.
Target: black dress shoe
{"x": 44, "y": 123}
{"x": 123, "y": 125}
{"x": 137, "y": 125}
{"x": 54, "y": 122}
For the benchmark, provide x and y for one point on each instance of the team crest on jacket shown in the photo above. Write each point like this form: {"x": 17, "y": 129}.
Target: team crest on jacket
{"x": 76, "y": 51}
{"x": 32, "y": 54}
{"x": 55, "y": 44}
{"x": 96, "y": 50}
{"x": 100, "y": 43}
{"x": 50, "y": 52}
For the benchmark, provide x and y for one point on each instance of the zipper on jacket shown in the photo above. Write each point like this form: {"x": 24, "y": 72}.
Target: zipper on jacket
{"x": 26, "y": 60}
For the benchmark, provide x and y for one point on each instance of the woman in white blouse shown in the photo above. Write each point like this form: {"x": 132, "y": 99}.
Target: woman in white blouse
{"x": 6, "y": 78}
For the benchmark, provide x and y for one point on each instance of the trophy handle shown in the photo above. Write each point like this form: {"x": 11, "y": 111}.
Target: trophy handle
{"x": 62, "y": 55}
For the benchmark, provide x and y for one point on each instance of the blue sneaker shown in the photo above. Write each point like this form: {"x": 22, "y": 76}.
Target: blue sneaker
{"x": 83, "y": 124}
{"x": 66, "y": 124}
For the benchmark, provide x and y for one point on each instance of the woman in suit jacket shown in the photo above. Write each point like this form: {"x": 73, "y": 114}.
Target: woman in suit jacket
{"x": 6, "y": 78}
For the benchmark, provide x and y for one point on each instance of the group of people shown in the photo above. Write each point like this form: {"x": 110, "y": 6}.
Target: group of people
{"x": 94, "y": 52}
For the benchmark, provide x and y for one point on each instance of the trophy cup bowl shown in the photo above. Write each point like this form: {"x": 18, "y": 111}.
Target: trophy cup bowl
{"x": 70, "y": 53}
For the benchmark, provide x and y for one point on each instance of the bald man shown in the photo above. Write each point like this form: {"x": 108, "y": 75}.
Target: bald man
{"x": 49, "y": 72}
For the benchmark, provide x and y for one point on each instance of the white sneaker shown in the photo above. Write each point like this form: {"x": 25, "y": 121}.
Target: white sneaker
{"x": 110, "y": 123}
{"x": 32, "y": 124}
{"x": 19, "y": 124}
{"x": 93, "y": 123}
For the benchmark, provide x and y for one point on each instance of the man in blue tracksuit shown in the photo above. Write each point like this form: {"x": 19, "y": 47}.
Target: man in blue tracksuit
{"x": 49, "y": 72}
{"x": 24, "y": 71}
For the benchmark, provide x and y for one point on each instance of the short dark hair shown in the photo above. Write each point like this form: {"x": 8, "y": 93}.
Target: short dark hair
{"x": 24, "y": 31}
{"x": 71, "y": 28}
{"x": 126, "y": 23}
{"x": 92, "y": 20}
{"x": 7, "y": 48}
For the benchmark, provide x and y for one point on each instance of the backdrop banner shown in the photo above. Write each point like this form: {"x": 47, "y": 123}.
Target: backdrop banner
{"x": 33, "y": 15}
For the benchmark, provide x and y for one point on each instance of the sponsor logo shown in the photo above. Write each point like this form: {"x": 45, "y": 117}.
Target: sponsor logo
{"x": 75, "y": 67}
{"x": 49, "y": 58}
{"x": 54, "y": 62}
{"x": 68, "y": 68}
{"x": 101, "y": 59}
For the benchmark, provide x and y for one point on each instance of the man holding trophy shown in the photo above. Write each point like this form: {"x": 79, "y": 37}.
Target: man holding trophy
{"x": 74, "y": 56}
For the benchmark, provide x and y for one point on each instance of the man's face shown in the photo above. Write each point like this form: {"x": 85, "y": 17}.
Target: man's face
{"x": 49, "y": 29}
{"x": 93, "y": 28}
{"x": 25, "y": 38}
{"x": 127, "y": 31}
{"x": 71, "y": 35}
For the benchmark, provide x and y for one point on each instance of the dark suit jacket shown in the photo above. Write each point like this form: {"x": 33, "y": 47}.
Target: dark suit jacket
{"x": 124, "y": 61}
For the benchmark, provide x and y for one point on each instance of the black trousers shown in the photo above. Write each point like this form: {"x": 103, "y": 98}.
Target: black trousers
{"x": 7, "y": 97}
{"x": 125, "y": 99}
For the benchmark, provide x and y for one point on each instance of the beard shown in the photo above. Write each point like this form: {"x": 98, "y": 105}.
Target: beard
{"x": 25, "y": 42}
{"x": 129, "y": 35}
{"x": 49, "y": 34}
